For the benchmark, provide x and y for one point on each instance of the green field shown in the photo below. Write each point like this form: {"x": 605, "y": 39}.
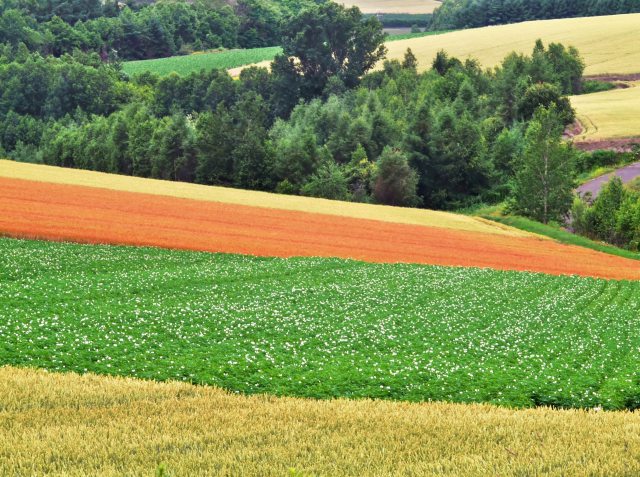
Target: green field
{"x": 227, "y": 59}
{"x": 321, "y": 328}
{"x": 190, "y": 63}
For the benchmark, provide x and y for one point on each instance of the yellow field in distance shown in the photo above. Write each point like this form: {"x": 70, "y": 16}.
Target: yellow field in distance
{"x": 608, "y": 44}
{"x": 184, "y": 190}
{"x": 66, "y": 424}
{"x": 611, "y": 114}
{"x": 393, "y": 6}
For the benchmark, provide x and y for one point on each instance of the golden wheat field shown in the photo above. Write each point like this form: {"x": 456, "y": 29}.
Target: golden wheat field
{"x": 393, "y": 6}
{"x": 58, "y": 175}
{"x": 608, "y": 44}
{"x": 66, "y": 424}
{"x": 609, "y": 115}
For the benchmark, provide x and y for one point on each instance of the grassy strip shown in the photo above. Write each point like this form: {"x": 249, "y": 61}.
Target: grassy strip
{"x": 561, "y": 235}
{"x": 65, "y": 424}
{"x": 321, "y": 328}
{"x": 226, "y": 59}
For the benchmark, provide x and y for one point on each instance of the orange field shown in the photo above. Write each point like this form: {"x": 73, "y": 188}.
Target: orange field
{"x": 86, "y": 214}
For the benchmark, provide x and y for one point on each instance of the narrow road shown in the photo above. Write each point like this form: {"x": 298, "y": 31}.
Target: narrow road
{"x": 627, "y": 174}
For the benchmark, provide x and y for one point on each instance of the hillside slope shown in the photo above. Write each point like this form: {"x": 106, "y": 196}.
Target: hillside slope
{"x": 608, "y": 44}
{"x": 59, "y": 175}
{"x": 611, "y": 114}
{"x": 98, "y": 214}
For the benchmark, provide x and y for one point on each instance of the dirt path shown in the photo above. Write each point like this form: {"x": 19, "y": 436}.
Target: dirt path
{"x": 627, "y": 174}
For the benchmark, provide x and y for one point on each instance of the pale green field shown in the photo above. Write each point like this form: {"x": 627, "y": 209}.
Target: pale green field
{"x": 611, "y": 114}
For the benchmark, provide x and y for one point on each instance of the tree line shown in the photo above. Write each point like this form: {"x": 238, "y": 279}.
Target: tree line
{"x": 117, "y": 31}
{"x": 456, "y": 14}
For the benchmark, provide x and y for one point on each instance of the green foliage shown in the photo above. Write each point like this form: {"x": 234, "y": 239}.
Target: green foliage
{"x": 544, "y": 95}
{"x": 595, "y": 86}
{"x": 613, "y": 216}
{"x": 157, "y": 30}
{"x": 590, "y": 161}
{"x": 53, "y": 88}
{"x": 544, "y": 180}
{"x": 330, "y": 40}
{"x": 320, "y": 328}
{"x": 402, "y": 20}
{"x": 329, "y": 182}
{"x": 394, "y": 181}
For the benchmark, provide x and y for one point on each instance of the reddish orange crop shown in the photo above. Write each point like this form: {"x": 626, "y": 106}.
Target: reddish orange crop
{"x": 86, "y": 214}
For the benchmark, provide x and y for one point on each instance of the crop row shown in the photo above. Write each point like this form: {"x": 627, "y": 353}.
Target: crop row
{"x": 321, "y": 327}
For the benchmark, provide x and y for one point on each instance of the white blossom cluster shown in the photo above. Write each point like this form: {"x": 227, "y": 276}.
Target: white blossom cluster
{"x": 321, "y": 327}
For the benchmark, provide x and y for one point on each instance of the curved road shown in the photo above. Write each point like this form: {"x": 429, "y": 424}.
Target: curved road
{"x": 627, "y": 174}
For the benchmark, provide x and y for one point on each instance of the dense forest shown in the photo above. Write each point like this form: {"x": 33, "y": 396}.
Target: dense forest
{"x": 114, "y": 30}
{"x": 456, "y": 14}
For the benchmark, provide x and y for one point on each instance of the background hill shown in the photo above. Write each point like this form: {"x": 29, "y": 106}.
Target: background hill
{"x": 608, "y": 44}
{"x": 393, "y": 6}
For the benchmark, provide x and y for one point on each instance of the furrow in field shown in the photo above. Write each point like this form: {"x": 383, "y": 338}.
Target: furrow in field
{"x": 87, "y": 214}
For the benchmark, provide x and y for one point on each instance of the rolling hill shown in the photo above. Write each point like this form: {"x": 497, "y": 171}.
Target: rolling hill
{"x": 224, "y": 220}
{"x": 608, "y": 44}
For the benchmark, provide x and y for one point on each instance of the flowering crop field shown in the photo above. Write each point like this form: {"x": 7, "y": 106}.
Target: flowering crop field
{"x": 321, "y": 328}
{"x": 31, "y": 209}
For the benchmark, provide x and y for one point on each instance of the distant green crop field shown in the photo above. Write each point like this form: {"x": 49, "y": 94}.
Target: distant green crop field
{"x": 321, "y": 328}
{"x": 184, "y": 65}
{"x": 229, "y": 59}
